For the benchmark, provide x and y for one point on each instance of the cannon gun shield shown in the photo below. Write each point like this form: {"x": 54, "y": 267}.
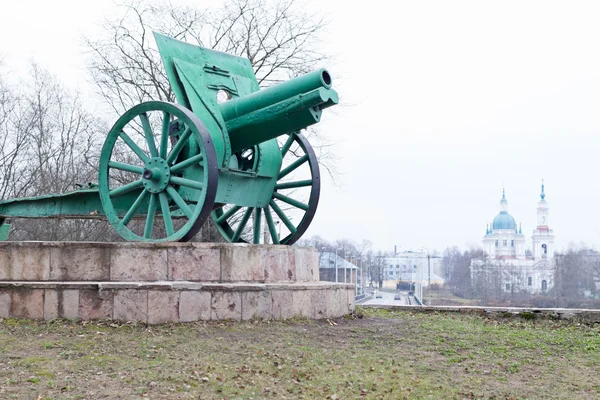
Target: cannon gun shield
{"x": 292, "y": 205}
{"x": 163, "y": 153}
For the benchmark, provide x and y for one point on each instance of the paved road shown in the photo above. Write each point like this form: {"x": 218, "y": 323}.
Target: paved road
{"x": 387, "y": 299}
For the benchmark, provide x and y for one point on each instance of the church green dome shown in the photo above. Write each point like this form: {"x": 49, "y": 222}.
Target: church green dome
{"x": 504, "y": 221}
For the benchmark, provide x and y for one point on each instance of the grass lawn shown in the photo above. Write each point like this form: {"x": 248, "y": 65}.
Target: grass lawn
{"x": 383, "y": 355}
{"x": 446, "y": 298}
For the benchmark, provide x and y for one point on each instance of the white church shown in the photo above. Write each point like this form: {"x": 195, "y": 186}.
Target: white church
{"x": 505, "y": 247}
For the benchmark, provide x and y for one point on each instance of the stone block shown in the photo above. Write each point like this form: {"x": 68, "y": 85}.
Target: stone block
{"x": 351, "y": 302}
{"x": 163, "y": 306}
{"x": 333, "y": 303}
{"x": 138, "y": 264}
{"x": 5, "y": 300}
{"x": 301, "y": 300}
{"x": 6, "y": 270}
{"x": 277, "y": 264}
{"x": 95, "y": 305}
{"x": 61, "y": 304}
{"x": 282, "y": 306}
{"x": 80, "y": 262}
{"x": 130, "y": 305}
{"x": 241, "y": 263}
{"x": 256, "y": 305}
{"x": 319, "y": 303}
{"x": 27, "y": 303}
{"x": 306, "y": 262}
{"x": 338, "y": 303}
{"x": 226, "y": 305}
{"x": 194, "y": 263}
{"x": 24, "y": 262}
{"x": 194, "y": 306}
{"x": 50, "y": 304}
{"x": 70, "y": 304}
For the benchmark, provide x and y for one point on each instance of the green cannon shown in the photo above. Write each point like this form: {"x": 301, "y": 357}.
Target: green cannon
{"x": 227, "y": 150}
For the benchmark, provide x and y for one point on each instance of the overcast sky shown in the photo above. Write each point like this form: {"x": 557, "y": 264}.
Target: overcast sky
{"x": 450, "y": 101}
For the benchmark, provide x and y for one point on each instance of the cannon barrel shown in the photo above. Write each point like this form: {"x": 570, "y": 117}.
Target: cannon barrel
{"x": 282, "y": 108}
{"x": 260, "y": 99}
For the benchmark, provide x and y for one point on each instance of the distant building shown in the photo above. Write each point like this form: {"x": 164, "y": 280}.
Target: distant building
{"x": 504, "y": 246}
{"x": 328, "y": 262}
{"x": 412, "y": 267}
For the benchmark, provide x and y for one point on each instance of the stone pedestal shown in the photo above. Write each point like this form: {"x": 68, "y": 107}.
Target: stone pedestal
{"x": 167, "y": 282}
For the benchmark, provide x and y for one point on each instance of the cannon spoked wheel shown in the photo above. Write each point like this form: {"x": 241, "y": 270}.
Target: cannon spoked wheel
{"x": 158, "y": 162}
{"x": 292, "y": 205}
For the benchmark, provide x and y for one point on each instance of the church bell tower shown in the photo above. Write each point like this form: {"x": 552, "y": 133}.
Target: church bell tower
{"x": 543, "y": 236}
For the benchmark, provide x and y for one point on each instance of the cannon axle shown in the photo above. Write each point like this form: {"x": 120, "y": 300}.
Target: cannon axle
{"x": 151, "y": 174}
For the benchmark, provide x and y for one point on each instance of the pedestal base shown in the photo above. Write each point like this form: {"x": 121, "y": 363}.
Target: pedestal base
{"x": 170, "y": 282}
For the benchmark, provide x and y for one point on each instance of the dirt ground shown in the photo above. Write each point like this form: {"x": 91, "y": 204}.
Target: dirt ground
{"x": 375, "y": 354}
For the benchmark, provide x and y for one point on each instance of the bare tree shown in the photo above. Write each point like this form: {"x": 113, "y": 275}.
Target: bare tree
{"x": 49, "y": 145}
{"x": 450, "y": 259}
{"x": 456, "y": 268}
{"x": 13, "y": 139}
{"x": 576, "y": 271}
{"x": 363, "y": 247}
{"x": 594, "y": 267}
{"x": 318, "y": 242}
{"x": 280, "y": 40}
{"x": 487, "y": 281}
{"x": 377, "y": 268}
{"x": 65, "y": 138}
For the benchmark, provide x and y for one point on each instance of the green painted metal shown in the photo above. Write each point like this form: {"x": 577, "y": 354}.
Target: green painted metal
{"x": 292, "y": 114}
{"x": 275, "y": 94}
{"x": 4, "y": 230}
{"x": 226, "y": 221}
{"x": 168, "y": 184}
{"x": 165, "y": 167}
{"x": 84, "y": 204}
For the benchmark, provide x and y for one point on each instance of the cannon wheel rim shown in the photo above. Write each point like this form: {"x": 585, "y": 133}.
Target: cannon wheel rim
{"x": 205, "y": 200}
{"x": 227, "y": 231}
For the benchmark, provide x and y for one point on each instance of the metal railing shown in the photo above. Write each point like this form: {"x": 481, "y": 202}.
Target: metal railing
{"x": 360, "y": 297}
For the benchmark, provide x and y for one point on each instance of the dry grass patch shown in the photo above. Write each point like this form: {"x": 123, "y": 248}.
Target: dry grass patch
{"x": 384, "y": 354}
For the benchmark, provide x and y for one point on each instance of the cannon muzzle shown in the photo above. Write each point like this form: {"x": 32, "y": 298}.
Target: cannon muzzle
{"x": 282, "y": 108}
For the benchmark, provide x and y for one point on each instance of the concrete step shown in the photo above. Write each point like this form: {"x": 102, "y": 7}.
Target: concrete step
{"x": 164, "y": 301}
